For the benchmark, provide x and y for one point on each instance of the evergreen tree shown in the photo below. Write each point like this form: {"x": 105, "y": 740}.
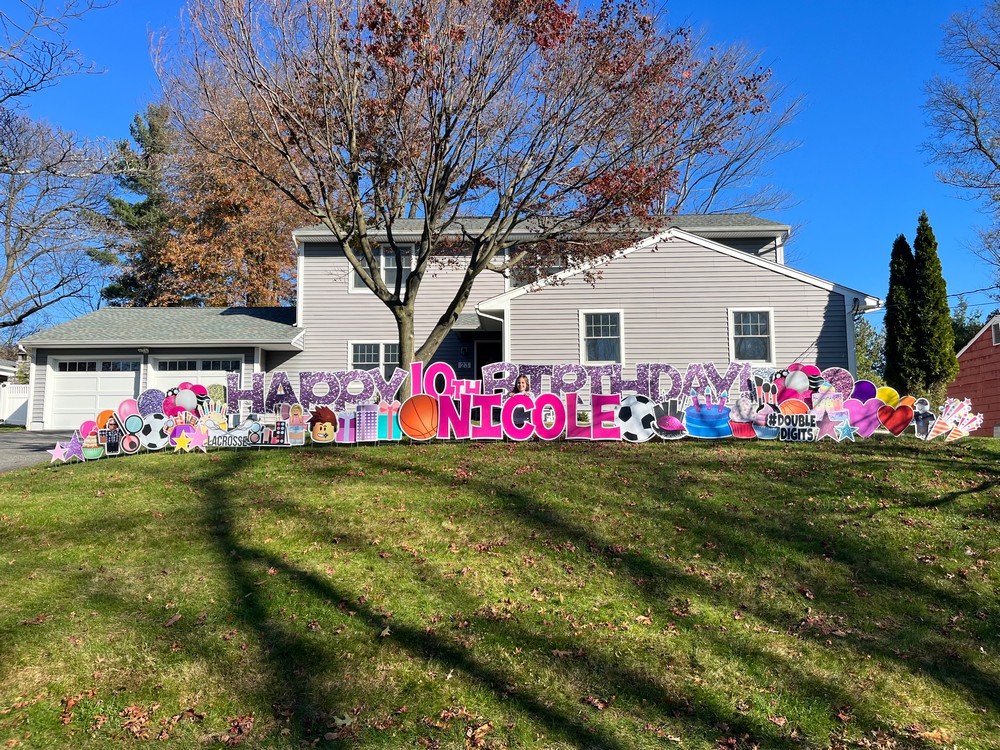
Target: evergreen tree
{"x": 869, "y": 351}
{"x": 900, "y": 344}
{"x": 935, "y": 339}
{"x": 964, "y": 324}
{"x": 141, "y": 229}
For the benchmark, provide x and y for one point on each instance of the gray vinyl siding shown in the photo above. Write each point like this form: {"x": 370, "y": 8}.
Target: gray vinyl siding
{"x": 40, "y": 358}
{"x": 675, "y": 304}
{"x": 334, "y": 316}
{"x": 764, "y": 247}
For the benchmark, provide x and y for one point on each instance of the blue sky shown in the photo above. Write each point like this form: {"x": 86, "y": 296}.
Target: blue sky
{"x": 858, "y": 178}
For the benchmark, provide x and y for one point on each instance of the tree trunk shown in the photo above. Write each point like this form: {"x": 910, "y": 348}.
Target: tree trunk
{"x": 404, "y": 327}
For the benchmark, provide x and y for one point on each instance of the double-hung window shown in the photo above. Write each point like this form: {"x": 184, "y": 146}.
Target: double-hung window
{"x": 752, "y": 336}
{"x": 372, "y": 356}
{"x": 601, "y": 333}
{"x": 388, "y": 268}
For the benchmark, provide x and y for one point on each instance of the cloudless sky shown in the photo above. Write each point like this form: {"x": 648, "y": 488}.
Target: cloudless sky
{"x": 858, "y": 178}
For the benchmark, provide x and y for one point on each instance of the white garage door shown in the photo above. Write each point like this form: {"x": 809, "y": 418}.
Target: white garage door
{"x": 203, "y": 370}
{"x": 81, "y": 389}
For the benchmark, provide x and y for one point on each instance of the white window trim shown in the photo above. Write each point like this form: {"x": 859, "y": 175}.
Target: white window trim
{"x": 995, "y": 330}
{"x": 155, "y": 359}
{"x": 381, "y": 351}
{"x": 583, "y": 336}
{"x": 731, "y": 326}
{"x": 353, "y": 288}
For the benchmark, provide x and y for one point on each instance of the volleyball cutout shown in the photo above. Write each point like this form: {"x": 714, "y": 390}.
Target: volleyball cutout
{"x": 418, "y": 417}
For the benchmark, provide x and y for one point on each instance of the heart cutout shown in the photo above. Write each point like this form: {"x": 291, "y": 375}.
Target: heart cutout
{"x": 864, "y": 415}
{"x": 895, "y": 420}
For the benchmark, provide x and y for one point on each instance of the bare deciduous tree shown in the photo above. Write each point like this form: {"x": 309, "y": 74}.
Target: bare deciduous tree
{"x": 530, "y": 112}
{"x": 964, "y": 115}
{"x": 49, "y": 186}
{"x": 34, "y": 51}
{"x": 50, "y": 182}
{"x": 733, "y": 177}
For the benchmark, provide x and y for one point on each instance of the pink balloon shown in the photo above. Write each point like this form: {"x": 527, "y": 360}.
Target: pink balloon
{"x": 185, "y": 386}
{"x": 170, "y": 408}
{"x": 127, "y": 408}
{"x": 87, "y": 426}
{"x": 200, "y": 389}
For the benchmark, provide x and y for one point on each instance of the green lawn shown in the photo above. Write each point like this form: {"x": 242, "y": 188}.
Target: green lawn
{"x": 695, "y": 594}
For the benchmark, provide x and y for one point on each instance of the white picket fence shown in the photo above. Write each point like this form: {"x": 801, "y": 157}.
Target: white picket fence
{"x": 13, "y": 404}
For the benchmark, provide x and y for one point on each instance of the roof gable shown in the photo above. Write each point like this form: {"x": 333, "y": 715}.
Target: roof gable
{"x": 676, "y": 233}
{"x": 974, "y": 339}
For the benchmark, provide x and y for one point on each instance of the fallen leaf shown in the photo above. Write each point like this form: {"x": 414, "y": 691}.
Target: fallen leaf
{"x": 239, "y": 728}
{"x": 598, "y": 703}
{"x": 385, "y": 633}
{"x": 938, "y": 737}
{"x": 806, "y": 593}
{"x": 475, "y": 736}
{"x": 779, "y": 720}
{"x": 172, "y": 621}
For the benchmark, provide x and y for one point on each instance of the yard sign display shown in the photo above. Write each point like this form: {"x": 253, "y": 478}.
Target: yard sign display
{"x": 798, "y": 403}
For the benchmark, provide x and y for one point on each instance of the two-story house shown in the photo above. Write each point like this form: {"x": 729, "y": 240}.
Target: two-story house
{"x": 708, "y": 288}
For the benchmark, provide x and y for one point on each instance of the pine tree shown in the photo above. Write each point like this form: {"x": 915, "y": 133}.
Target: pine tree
{"x": 900, "y": 345}
{"x": 935, "y": 338}
{"x": 965, "y": 325}
{"x": 869, "y": 349}
{"x": 141, "y": 229}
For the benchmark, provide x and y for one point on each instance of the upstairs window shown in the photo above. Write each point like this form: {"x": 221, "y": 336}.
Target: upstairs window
{"x": 996, "y": 334}
{"x": 602, "y": 337}
{"x": 752, "y": 336}
{"x": 388, "y": 268}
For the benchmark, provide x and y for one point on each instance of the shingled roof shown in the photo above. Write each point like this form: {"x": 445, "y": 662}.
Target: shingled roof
{"x": 409, "y": 228}
{"x": 188, "y": 326}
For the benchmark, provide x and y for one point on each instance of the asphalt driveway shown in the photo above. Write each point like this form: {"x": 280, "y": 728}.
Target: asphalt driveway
{"x": 19, "y": 448}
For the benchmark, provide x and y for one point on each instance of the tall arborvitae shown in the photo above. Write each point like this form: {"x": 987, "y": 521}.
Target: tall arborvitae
{"x": 141, "y": 229}
{"x": 936, "y": 359}
{"x": 900, "y": 345}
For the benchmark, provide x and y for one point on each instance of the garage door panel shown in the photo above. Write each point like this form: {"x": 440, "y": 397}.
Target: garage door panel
{"x": 79, "y": 396}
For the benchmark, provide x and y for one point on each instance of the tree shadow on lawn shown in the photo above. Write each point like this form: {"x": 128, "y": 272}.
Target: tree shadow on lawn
{"x": 910, "y": 596}
{"x": 300, "y": 664}
{"x": 293, "y": 660}
{"x": 905, "y": 581}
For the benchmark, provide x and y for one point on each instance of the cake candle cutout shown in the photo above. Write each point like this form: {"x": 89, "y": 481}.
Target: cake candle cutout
{"x": 694, "y": 400}
{"x": 708, "y": 398}
{"x": 722, "y": 401}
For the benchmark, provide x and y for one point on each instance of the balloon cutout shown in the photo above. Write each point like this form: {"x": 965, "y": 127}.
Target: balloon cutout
{"x": 863, "y": 391}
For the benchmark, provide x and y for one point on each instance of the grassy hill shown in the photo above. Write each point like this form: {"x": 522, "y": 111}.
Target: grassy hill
{"x": 693, "y": 595}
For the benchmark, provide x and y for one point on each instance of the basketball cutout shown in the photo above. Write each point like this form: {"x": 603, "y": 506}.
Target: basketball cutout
{"x": 418, "y": 417}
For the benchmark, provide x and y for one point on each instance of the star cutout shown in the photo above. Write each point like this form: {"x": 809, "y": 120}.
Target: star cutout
{"x": 58, "y": 453}
{"x": 74, "y": 448}
{"x": 828, "y": 425}
{"x": 182, "y": 442}
{"x": 198, "y": 439}
{"x": 846, "y": 431}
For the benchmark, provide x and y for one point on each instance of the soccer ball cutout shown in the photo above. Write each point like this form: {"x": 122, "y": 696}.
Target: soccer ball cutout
{"x": 153, "y": 435}
{"x": 635, "y": 417}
